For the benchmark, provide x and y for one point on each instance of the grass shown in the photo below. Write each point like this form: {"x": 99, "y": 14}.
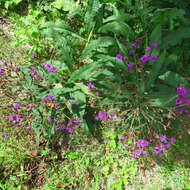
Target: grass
{"x": 85, "y": 163}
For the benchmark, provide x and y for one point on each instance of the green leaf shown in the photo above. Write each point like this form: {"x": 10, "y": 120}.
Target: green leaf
{"x": 119, "y": 28}
{"x": 92, "y": 10}
{"x": 176, "y": 36}
{"x": 85, "y": 72}
{"x": 95, "y": 45}
{"x": 79, "y": 97}
{"x": 65, "y": 5}
{"x": 173, "y": 79}
{"x": 158, "y": 65}
{"x": 165, "y": 96}
{"x": 156, "y": 34}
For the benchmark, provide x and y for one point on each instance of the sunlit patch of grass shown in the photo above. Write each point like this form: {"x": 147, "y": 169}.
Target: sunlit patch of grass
{"x": 11, "y": 54}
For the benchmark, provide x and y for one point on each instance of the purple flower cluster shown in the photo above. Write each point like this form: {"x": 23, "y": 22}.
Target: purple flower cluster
{"x": 103, "y": 116}
{"x": 129, "y": 66}
{"x": 165, "y": 144}
{"x": 34, "y": 54}
{"x": 156, "y": 149}
{"x": 34, "y": 72}
{"x": 49, "y": 67}
{"x": 90, "y": 85}
{"x": 64, "y": 127}
{"x": 50, "y": 97}
{"x": 14, "y": 118}
{"x": 74, "y": 122}
{"x": 182, "y": 97}
{"x": 141, "y": 143}
{"x": 147, "y": 57}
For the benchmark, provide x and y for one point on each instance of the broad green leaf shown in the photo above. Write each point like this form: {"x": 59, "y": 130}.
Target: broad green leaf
{"x": 173, "y": 79}
{"x": 95, "y": 45}
{"x": 158, "y": 65}
{"x": 165, "y": 96}
{"x": 119, "y": 28}
{"x": 85, "y": 72}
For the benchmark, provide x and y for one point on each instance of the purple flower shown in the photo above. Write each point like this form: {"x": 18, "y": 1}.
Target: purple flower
{"x": 34, "y": 73}
{"x": 186, "y": 101}
{"x": 4, "y": 63}
{"x": 141, "y": 67}
{"x": 70, "y": 122}
{"x": 145, "y": 58}
{"x": 50, "y": 96}
{"x": 56, "y": 104}
{"x": 70, "y": 130}
{"x": 63, "y": 127}
{"x": 56, "y": 127}
{"x": 147, "y": 48}
{"x": 6, "y": 135}
{"x": 44, "y": 99}
{"x": 30, "y": 128}
{"x": 11, "y": 118}
{"x": 131, "y": 52}
{"x": 30, "y": 107}
{"x": 37, "y": 76}
{"x": 113, "y": 115}
{"x": 162, "y": 148}
{"x": 163, "y": 138}
{"x": 142, "y": 143}
{"x": 180, "y": 110}
{"x": 130, "y": 64}
{"x": 72, "y": 101}
{"x": 43, "y": 64}
{"x": 122, "y": 137}
{"x": 154, "y": 46}
{"x": 47, "y": 65}
{"x": 34, "y": 54}
{"x": 138, "y": 152}
{"x": 90, "y": 85}
{"x": 53, "y": 67}
{"x": 101, "y": 113}
{"x": 178, "y": 101}
{"x": 133, "y": 45}
{"x": 32, "y": 68}
{"x": 156, "y": 149}
{"x": 18, "y": 117}
{"x": 49, "y": 119}
{"x": 172, "y": 140}
{"x": 77, "y": 123}
{"x": 119, "y": 57}
{"x": 97, "y": 94}
{"x": 153, "y": 57}
{"x": 50, "y": 70}
{"x": 133, "y": 156}
{"x": 144, "y": 153}
{"x": 1, "y": 70}
{"x": 16, "y": 68}
{"x": 182, "y": 91}
{"x": 167, "y": 144}
{"x": 128, "y": 68}
{"x": 16, "y": 105}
